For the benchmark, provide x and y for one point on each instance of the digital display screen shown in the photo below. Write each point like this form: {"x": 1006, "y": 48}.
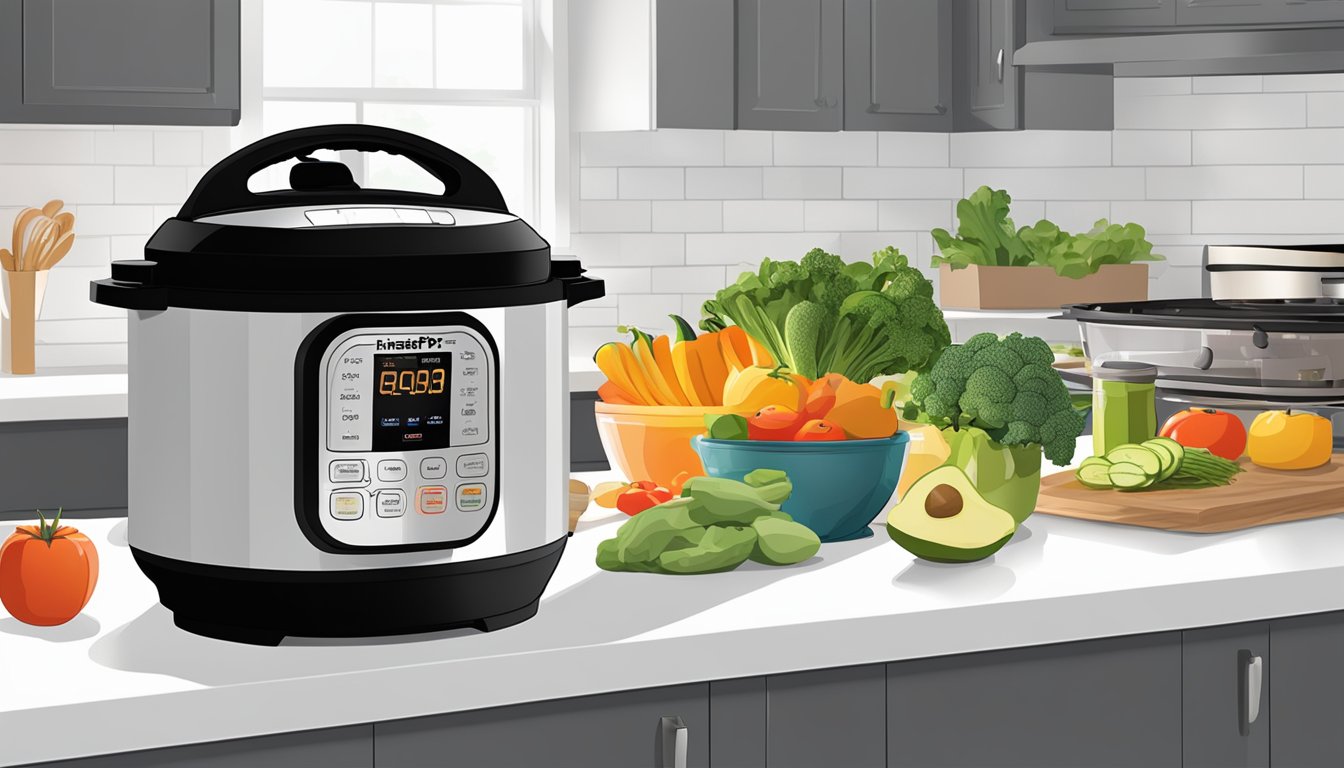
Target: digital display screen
{"x": 410, "y": 401}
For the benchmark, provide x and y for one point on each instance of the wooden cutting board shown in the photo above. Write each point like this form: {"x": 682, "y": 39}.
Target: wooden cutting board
{"x": 1257, "y": 497}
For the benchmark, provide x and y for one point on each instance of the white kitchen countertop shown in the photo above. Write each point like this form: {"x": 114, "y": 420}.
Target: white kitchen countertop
{"x": 122, "y": 677}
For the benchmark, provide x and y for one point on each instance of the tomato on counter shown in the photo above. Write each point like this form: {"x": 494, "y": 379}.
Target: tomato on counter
{"x": 47, "y": 572}
{"x": 1287, "y": 440}
{"x": 1218, "y": 431}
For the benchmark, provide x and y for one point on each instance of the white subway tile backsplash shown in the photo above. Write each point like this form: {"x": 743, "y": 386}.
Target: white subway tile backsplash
{"x": 1016, "y": 149}
{"x": 860, "y": 246}
{"x": 748, "y": 148}
{"x": 841, "y": 148}
{"x": 667, "y": 147}
{"x": 1331, "y": 81}
{"x": 1325, "y": 109}
{"x": 1276, "y": 217}
{"x": 125, "y": 247}
{"x": 33, "y": 185}
{"x": 1075, "y": 215}
{"x": 702, "y": 280}
{"x": 1151, "y": 86}
{"x": 741, "y": 248}
{"x": 912, "y": 149}
{"x": 652, "y": 183}
{"x": 147, "y": 184}
{"x": 178, "y": 148}
{"x": 628, "y": 250}
{"x": 95, "y": 331}
{"x": 1312, "y": 146}
{"x": 1024, "y": 212}
{"x": 114, "y": 220}
{"x": 1061, "y": 183}
{"x": 840, "y": 215}
{"x": 124, "y": 147}
{"x": 1225, "y": 182}
{"x": 624, "y": 280}
{"x": 67, "y": 296}
{"x": 1228, "y": 84}
{"x": 1156, "y": 217}
{"x": 597, "y": 183}
{"x": 614, "y": 216}
{"x": 649, "y": 313}
{"x": 1150, "y": 148}
{"x": 802, "y": 183}
{"x": 915, "y": 214}
{"x": 49, "y": 147}
{"x": 1212, "y": 111}
{"x": 586, "y": 314}
{"x": 687, "y": 216}
{"x": 1324, "y": 182}
{"x": 763, "y": 216}
{"x": 88, "y": 252}
{"x": 723, "y": 183}
{"x": 902, "y": 183}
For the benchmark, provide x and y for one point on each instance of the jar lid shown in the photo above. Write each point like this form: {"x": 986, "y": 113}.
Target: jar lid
{"x": 1131, "y": 371}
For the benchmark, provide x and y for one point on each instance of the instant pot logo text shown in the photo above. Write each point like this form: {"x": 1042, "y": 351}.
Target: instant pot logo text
{"x": 424, "y": 342}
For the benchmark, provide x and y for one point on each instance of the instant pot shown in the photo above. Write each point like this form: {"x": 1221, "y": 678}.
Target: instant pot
{"x": 348, "y": 407}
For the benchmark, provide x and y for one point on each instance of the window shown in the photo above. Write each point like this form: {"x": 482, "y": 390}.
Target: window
{"x": 458, "y": 72}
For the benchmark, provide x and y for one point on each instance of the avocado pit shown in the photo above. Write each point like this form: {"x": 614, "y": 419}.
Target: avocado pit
{"x": 943, "y": 501}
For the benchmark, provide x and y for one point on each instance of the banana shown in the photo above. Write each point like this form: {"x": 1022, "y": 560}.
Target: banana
{"x": 662, "y": 355}
{"x": 652, "y": 373}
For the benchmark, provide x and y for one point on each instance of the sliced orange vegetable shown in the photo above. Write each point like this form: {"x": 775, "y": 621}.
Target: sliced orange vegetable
{"x": 635, "y": 375}
{"x": 615, "y": 365}
{"x": 736, "y": 348}
{"x": 759, "y": 354}
{"x": 610, "y": 393}
{"x": 652, "y": 373}
{"x": 662, "y": 354}
{"x": 712, "y": 366}
{"x": 863, "y": 411}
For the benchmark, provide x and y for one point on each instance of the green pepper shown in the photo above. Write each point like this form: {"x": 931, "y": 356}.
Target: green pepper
{"x": 783, "y": 542}
{"x": 725, "y": 501}
{"x": 644, "y": 536}
{"x": 723, "y": 548}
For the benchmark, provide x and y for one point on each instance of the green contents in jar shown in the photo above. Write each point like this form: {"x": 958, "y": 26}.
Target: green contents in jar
{"x": 1124, "y": 406}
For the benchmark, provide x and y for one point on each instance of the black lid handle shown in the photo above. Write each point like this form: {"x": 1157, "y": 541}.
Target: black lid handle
{"x": 224, "y": 189}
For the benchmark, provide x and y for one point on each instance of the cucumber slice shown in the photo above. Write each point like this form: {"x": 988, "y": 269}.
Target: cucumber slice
{"x": 1169, "y": 461}
{"x": 1176, "y": 448}
{"x": 1133, "y": 453}
{"x": 1128, "y": 476}
{"x": 1095, "y": 474}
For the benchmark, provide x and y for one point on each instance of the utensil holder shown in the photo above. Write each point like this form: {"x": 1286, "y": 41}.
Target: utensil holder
{"x": 22, "y": 302}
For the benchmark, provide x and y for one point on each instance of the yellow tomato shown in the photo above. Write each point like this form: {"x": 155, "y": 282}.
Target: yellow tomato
{"x": 1286, "y": 440}
{"x": 753, "y": 388}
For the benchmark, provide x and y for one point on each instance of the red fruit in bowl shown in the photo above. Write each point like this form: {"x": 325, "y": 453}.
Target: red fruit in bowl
{"x": 819, "y": 430}
{"x": 821, "y": 396}
{"x": 774, "y": 422}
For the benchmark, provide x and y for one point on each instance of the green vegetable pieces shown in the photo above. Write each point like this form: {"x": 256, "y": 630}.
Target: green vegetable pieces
{"x": 1154, "y": 465}
{"x": 716, "y": 525}
{"x": 820, "y": 315}
{"x": 987, "y": 236}
{"x": 1006, "y": 387}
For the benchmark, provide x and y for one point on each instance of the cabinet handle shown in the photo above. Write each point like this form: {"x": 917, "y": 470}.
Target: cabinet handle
{"x": 675, "y": 737}
{"x": 1252, "y": 685}
{"x": 999, "y": 62}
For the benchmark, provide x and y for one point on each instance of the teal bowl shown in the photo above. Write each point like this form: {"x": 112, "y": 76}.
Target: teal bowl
{"x": 838, "y": 487}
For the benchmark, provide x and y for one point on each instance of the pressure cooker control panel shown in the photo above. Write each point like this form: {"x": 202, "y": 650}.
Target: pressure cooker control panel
{"x": 406, "y": 443}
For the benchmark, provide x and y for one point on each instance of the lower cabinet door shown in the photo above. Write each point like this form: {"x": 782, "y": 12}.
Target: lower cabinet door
{"x": 1308, "y": 691}
{"x": 615, "y": 730}
{"x": 830, "y": 717}
{"x": 346, "y": 747}
{"x": 1113, "y": 702}
{"x": 1225, "y": 689}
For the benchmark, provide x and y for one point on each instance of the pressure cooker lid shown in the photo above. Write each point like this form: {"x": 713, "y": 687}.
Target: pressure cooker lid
{"x": 328, "y": 235}
{"x": 1319, "y": 315}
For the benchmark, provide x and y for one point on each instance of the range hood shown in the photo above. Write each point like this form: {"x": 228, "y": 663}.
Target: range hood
{"x": 1256, "y": 52}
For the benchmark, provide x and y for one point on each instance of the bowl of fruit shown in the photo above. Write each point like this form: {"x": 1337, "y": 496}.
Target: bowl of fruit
{"x": 839, "y": 444}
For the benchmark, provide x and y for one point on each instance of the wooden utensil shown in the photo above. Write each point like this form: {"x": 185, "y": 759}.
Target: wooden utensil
{"x": 1257, "y": 496}
{"x": 7, "y": 260}
{"x": 39, "y": 240}
{"x": 20, "y": 225}
{"x": 52, "y": 208}
{"x": 56, "y": 252}
{"x": 66, "y": 221}
{"x": 579, "y": 494}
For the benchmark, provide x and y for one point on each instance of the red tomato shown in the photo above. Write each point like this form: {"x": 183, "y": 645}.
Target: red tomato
{"x": 821, "y": 396}
{"x": 46, "y": 583}
{"x": 644, "y": 485}
{"x": 1219, "y": 431}
{"x": 635, "y": 501}
{"x": 774, "y": 422}
{"x": 819, "y": 430}
{"x": 661, "y": 494}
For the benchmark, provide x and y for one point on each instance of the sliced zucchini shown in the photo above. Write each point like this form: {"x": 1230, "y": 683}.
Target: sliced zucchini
{"x": 1133, "y": 453}
{"x": 1169, "y": 461}
{"x": 1128, "y": 476}
{"x": 1094, "y": 473}
{"x": 1176, "y": 448}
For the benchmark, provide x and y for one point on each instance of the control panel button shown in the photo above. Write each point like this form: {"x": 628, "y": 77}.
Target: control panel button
{"x": 390, "y": 503}
{"x": 473, "y": 465}
{"x": 346, "y": 471}
{"x": 431, "y": 499}
{"x": 347, "y": 505}
{"x": 391, "y": 470}
{"x": 470, "y": 497}
{"x": 433, "y": 468}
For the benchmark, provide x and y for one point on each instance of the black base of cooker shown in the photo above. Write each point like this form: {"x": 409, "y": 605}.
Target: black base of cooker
{"x": 262, "y": 607}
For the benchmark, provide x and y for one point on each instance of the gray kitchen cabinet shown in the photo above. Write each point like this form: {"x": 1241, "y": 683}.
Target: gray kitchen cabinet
{"x": 790, "y": 65}
{"x": 826, "y": 717}
{"x": 347, "y": 747}
{"x": 161, "y": 62}
{"x": 1225, "y": 684}
{"x": 1113, "y": 702}
{"x": 1308, "y": 691}
{"x": 898, "y": 65}
{"x": 987, "y": 86}
{"x": 1211, "y": 12}
{"x": 737, "y": 719}
{"x": 615, "y": 730}
{"x": 1082, "y": 15}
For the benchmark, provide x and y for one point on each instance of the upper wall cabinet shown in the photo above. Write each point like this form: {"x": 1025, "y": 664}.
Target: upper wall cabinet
{"x": 791, "y": 65}
{"x": 898, "y": 65}
{"x": 1096, "y": 14}
{"x": 1257, "y": 11}
{"x": 1081, "y": 16}
{"x": 156, "y": 62}
{"x": 636, "y": 65}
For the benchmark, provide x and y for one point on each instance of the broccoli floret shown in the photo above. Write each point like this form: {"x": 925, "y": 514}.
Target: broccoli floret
{"x": 1006, "y": 387}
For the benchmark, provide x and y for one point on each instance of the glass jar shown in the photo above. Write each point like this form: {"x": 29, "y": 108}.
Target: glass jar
{"x": 1124, "y": 404}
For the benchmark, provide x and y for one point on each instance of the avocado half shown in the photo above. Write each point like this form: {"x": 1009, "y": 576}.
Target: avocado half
{"x": 944, "y": 519}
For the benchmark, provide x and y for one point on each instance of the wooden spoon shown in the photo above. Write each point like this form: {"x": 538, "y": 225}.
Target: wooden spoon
{"x": 7, "y": 260}
{"x": 66, "y": 221}
{"x": 52, "y": 208}
{"x": 20, "y": 225}
{"x": 57, "y": 251}
{"x": 38, "y": 241}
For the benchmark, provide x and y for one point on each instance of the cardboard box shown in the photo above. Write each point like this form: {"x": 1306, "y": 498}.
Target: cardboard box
{"x": 977, "y": 287}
